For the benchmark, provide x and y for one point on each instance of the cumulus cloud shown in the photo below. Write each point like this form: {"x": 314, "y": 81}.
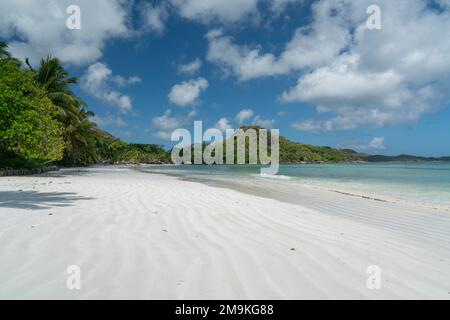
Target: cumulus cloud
{"x": 244, "y": 62}
{"x": 35, "y": 29}
{"x": 377, "y": 143}
{"x": 359, "y": 98}
{"x": 223, "y": 124}
{"x": 167, "y": 123}
{"x": 244, "y": 115}
{"x": 278, "y": 6}
{"x": 225, "y": 11}
{"x": 187, "y": 93}
{"x": 122, "y": 82}
{"x": 155, "y": 17}
{"x": 444, "y": 3}
{"x": 388, "y": 76}
{"x": 163, "y": 135}
{"x": 309, "y": 47}
{"x": 97, "y": 82}
{"x": 308, "y": 126}
{"x": 265, "y": 123}
{"x": 352, "y": 75}
{"x": 248, "y": 115}
{"x": 191, "y": 67}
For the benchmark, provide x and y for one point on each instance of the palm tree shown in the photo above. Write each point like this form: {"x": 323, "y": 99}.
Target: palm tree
{"x": 4, "y": 53}
{"x": 82, "y": 140}
{"x": 55, "y": 80}
{"x": 79, "y": 131}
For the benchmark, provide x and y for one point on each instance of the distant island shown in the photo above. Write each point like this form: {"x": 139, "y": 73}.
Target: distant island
{"x": 292, "y": 152}
{"x": 403, "y": 158}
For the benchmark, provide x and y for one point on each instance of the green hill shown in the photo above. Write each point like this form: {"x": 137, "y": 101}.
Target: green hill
{"x": 293, "y": 152}
{"x": 296, "y": 153}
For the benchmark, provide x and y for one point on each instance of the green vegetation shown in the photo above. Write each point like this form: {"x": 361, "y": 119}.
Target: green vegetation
{"x": 4, "y": 53}
{"x": 29, "y": 132}
{"x": 42, "y": 121}
{"x": 117, "y": 151}
{"x": 293, "y": 152}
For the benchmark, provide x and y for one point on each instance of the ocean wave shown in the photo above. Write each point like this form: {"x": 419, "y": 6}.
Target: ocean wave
{"x": 272, "y": 176}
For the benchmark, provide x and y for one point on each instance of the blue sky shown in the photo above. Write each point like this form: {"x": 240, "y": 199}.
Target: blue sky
{"x": 309, "y": 68}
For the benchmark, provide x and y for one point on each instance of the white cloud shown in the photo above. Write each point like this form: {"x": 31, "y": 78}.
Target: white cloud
{"x": 97, "y": 80}
{"x": 155, "y": 17}
{"x": 444, "y": 3}
{"x": 191, "y": 67}
{"x": 308, "y": 126}
{"x": 109, "y": 121}
{"x": 206, "y": 11}
{"x": 122, "y": 82}
{"x": 278, "y": 6}
{"x": 310, "y": 47}
{"x": 244, "y": 115}
{"x": 388, "y": 76}
{"x": 167, "y": 123}
{"x": 187, "y": 92}
{"x": 377, "y": 143}
{"x": 163, "y": 135}
{"x": 359, "y": 98}
{"x": 248, "y": 115}
{"x": 265, "y": 123}
{"x": 355, "y": 76}
{"x": 244, "y": 62}
{"x": 35, "y": 29}
{"x": 223, "y": 124}
{"x": 227, "y": 11}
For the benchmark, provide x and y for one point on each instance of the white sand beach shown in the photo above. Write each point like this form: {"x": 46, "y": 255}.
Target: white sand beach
{"x": 146, "y": 236}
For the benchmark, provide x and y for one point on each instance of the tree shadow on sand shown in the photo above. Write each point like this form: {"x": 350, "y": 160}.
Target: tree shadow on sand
{"x": 38, "y": 200}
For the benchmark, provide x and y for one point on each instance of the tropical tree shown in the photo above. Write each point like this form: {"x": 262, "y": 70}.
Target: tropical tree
{"x": 55, "y": 80}
{"x": 4, "y": 53}
{"x": 42, "y": 120}
{"x": 83, "y": 144}
{"x": 28, "y": 128}
{"x": 79, "y": 131}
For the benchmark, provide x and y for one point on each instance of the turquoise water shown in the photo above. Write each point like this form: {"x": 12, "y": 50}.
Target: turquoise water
{"x": 421, "y": 182}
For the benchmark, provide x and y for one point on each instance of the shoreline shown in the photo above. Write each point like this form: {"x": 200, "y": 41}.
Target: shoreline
{"x": 257, "y": 188}
{"x": 322, "y": 200}
{"x": 142, "y": 236}
{"x": 16, "y": 172}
